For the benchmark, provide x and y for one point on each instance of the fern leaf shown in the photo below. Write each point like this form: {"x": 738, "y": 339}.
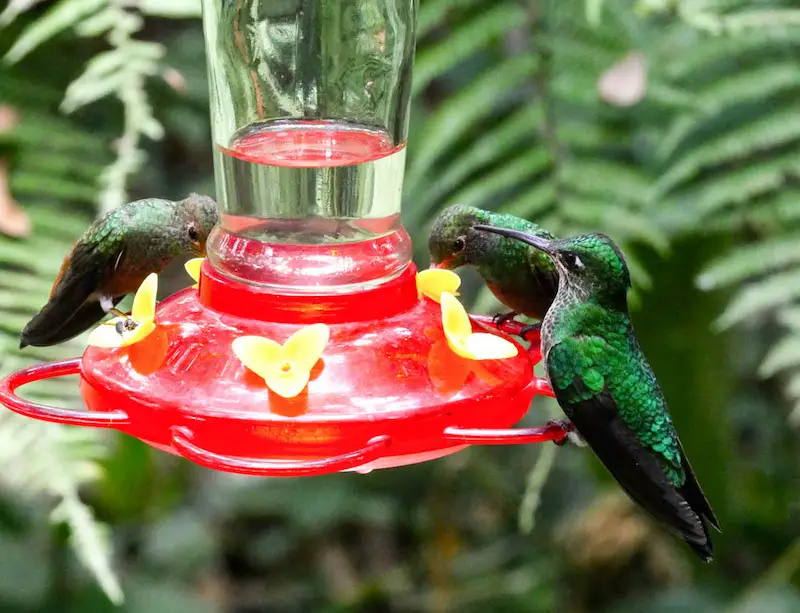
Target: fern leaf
{"x": 434, "y": 13}
{"x": 761, "y": 19}
{"x": 738, "y": 186}
{"x": 747, "y": 261}
{"x": 495, "y": 144}
{"x": 469, "y": 38}
{"x": 782, "y": 356}
{"x": 98, "y": 24}
{"x": 14, "y": 9}
{"x": 65, "y": 14}
{"x": 481, "y": 191}
{"x": 761, "y": 297}
{"x": 29, "y": 451}
{"x": 742, "y": 88}
{"x": 532, "y": 202}
{"x": 700, "y": 54}
{"x": 174, "y": 9}
{"x": 610, "y": 180}
{"x": 90, "y": 541}
{"x": 791, "y": 318}
{"x": 454, "y": 117}
{"x": 772, "y": 130}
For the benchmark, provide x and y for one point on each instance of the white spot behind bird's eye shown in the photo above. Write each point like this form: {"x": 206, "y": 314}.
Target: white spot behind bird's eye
{"x": 578, "y": 263}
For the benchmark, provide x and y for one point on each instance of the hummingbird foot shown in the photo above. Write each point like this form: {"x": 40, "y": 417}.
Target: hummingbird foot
{"x": 572, "y": 435}
{"x": 501, "y": 320}
{"x": 526, "y": 330}
{"x": 125, "y": 325}
{"x": 125, "y": 322}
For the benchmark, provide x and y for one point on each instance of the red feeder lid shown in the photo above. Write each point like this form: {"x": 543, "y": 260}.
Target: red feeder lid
{"x": 387, "y": 391}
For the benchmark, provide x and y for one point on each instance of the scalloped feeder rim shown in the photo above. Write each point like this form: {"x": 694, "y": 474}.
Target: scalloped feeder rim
{"x": 387, "y": 392}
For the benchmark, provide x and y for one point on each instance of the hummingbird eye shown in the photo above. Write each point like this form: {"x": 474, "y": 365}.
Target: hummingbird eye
{"x": 573, "y": 261}
{"x": 193, "y": 233}
{"x": 459, "y": 244}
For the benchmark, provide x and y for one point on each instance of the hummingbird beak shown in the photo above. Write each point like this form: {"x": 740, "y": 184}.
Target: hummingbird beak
{"x": 542, "y": 244}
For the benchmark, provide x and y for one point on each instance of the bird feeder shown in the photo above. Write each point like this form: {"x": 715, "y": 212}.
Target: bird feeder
{"x": 309, "y": 109}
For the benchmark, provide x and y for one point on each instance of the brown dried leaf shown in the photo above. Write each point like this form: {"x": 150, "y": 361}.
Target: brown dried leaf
{"x": 625, "y": 83}
{"x": 8, "y": 118}
{"x": 14, "y": 221}
{"x": 175, "y": 80}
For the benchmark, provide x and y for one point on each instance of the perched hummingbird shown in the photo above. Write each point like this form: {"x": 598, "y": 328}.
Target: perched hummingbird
{"x": 522, "y": 278}
{"x": 603, "y": 382}
{"x": 113, "y": 257}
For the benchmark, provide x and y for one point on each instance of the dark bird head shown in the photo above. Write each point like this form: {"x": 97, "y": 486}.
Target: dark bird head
{"x": 199, "y": 214}
{"x": 454, "y": 241}
{"x": 589, "y": 265}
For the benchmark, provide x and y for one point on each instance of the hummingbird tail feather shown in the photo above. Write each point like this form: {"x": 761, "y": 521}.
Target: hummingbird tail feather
{"x": 51, "y": 325}
{"x": 693, "y": 494}
{"x": 637, "y": 470}
{"x": 704, "y": 550}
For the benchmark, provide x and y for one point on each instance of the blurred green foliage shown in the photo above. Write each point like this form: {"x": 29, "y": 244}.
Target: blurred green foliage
{"x": 517, "y": 108}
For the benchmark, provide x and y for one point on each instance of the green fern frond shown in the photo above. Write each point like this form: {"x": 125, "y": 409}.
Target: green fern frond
{"x": 483, "y": 190}
{"x": 458, "y": 115}
{"x": 90, "y": 541}
{"x": 64, "y": 15}
{"x": 742, "y": 88}
{"x": 29, "y": 452}
{"x": 120, "y": 71}
{"x": 473, "y": 36}
{"x": 772, "y": 130}
{"x": 701, "y": 55}
{"x": 752, "y": 260}
{"x": 783, "y": 355}
{"x": 435, "y": 13}
{"x": 761, "y": 298}
{"x": 499, "y": 141}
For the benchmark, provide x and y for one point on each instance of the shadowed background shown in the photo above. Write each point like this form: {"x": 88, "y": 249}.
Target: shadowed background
{"x": 672, "y": 126}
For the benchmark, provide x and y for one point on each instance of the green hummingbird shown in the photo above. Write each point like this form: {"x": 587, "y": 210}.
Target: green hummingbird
{"x": 606, "y": 387}
{"x": 113, "y": 257}
{"x": 522, "y": 278}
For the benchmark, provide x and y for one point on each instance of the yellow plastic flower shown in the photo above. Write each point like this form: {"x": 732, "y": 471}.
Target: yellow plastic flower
{"x": 434, "y": 281}
{"x": 285, "y": 368}
{"x": 466, "y": 343}
{"x": 193, "y": 269}
{"x": 124, "y": 331}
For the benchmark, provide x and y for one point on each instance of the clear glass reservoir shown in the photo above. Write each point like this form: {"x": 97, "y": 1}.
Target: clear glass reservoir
{"x": 309, "y": 106}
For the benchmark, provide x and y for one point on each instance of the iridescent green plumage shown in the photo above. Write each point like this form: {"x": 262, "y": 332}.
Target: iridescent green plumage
{"x": 522, "y": 278}
{"x": 113, "y": 257}
{"x": 606, "y": 387}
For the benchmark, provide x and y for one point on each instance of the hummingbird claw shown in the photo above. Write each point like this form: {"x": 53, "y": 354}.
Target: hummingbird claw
{"x": 571, "y": 435}
{"x": 528, "y": 329}
{"x": 501, "y": 319}
{"x": 125, "y": 325}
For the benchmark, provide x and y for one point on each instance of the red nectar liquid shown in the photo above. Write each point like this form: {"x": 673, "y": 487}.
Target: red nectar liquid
{"x": 310, "y": 205}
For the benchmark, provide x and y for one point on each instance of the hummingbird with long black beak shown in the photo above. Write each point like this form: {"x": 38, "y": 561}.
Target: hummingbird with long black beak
{"x": 606, "y": 387}
{"x": 522, "y": 278}
{"x": 112, "y": 258}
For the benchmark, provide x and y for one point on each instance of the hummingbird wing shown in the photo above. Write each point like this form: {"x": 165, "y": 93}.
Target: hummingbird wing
{"x": 74, "y": 304}
{"x": 581, "y": 385}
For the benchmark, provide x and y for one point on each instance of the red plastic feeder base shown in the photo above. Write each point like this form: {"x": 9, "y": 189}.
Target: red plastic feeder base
{"x": 387, "y": 392}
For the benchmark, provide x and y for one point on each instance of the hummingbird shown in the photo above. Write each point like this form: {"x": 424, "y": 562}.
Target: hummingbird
{"x": 112, "y": 258}
{"x": 604, "y": 384}
{"x": 522, "y": 278}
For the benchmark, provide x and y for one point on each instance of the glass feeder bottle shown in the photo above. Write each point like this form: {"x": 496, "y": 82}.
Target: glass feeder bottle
{"x": 309, "y": 108}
